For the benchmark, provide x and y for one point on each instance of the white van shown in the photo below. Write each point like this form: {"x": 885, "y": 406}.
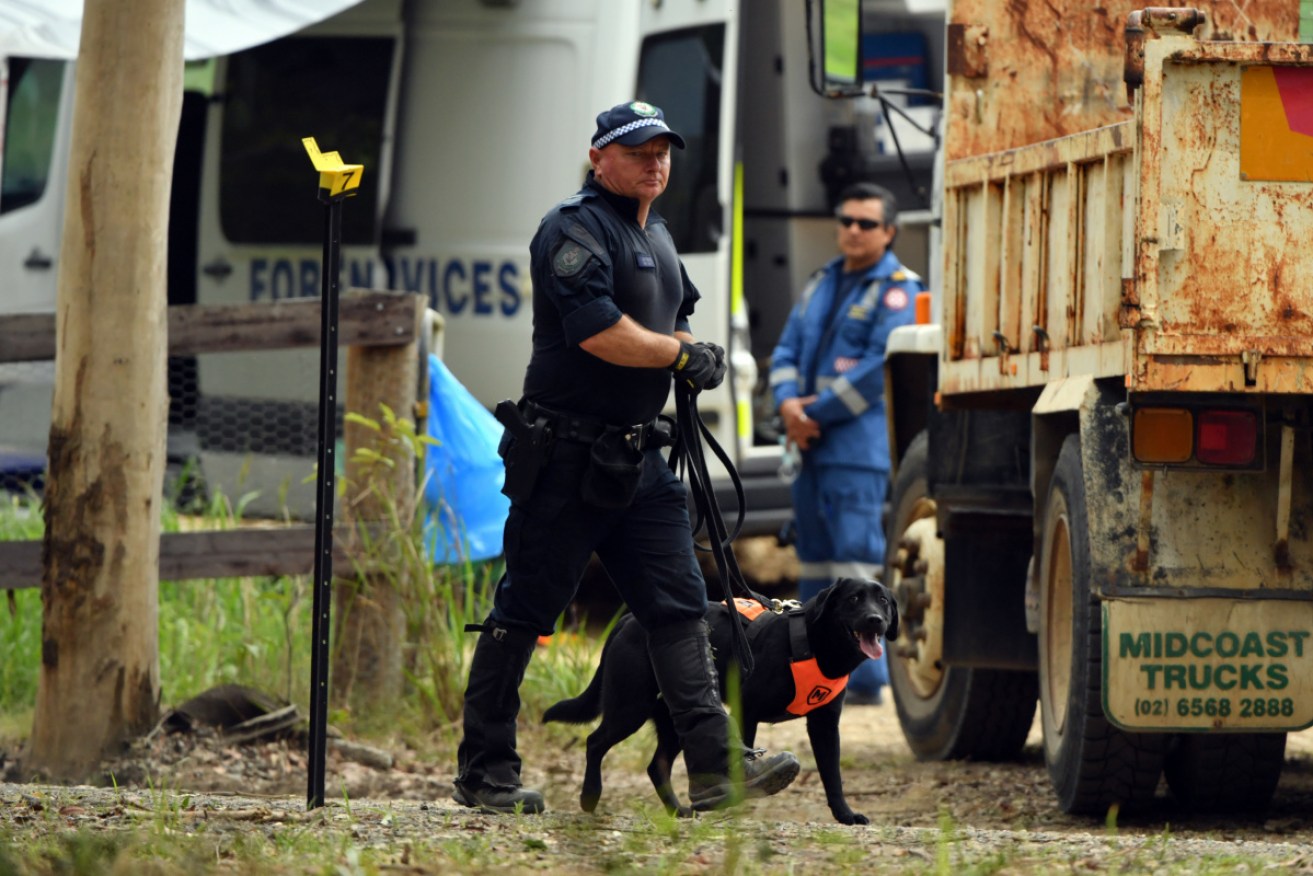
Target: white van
{"x": 471, "y": 118}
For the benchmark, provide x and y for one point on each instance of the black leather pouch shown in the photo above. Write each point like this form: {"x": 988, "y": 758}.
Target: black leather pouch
{"x": 614, "y": 468}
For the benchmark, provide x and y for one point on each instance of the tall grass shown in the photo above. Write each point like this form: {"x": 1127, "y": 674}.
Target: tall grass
{"x": 440, "y": 601}
{"x": 257, "y": 631}
{"x": 20, "y": 638}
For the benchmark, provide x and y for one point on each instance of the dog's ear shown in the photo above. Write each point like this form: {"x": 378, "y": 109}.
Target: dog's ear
{"x": 822, "y": 599}
{"x": 891, "y": 633}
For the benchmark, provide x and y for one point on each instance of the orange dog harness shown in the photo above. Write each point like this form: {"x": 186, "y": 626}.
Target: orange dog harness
{"x": 811, "y": 688}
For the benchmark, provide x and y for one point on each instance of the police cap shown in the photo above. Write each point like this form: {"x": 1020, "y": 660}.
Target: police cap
{"x": 631, "y": 124}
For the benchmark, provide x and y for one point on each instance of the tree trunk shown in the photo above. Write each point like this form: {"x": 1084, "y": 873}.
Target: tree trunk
{"x": 99, "y": 684}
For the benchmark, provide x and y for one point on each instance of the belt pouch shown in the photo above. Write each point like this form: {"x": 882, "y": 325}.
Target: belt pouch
{"x": 614, "y": 467}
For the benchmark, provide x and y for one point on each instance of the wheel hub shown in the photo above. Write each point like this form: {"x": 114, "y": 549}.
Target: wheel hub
{"x": 918, "y": 572}
{"x": 1059, "y": 608}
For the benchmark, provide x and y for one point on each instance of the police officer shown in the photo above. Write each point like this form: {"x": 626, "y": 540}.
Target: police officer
{"x": 585, "y": 473}
{"x": 827, "y": 376}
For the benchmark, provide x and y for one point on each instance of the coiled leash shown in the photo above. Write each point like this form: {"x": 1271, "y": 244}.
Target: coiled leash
{"x": 687, "y": 457}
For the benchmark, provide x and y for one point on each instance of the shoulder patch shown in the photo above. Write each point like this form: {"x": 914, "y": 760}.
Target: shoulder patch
{"x": 570, "y": 258}
{"x": 898, "y": 276}
{"x": 575, "y": 250}
{"x": 895, "y": 298}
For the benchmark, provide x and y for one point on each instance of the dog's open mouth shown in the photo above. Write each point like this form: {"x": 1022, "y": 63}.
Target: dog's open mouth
{"x": 870, "y": 645}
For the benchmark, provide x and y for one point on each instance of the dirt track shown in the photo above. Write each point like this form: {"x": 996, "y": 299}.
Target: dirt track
{"x": 988, "y": 814}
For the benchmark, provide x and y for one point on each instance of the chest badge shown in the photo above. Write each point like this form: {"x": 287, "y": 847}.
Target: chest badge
{"x": 645, "y": 261}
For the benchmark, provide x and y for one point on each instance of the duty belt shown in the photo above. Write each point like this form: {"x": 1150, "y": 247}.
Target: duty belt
{"x": 585, "y": 430}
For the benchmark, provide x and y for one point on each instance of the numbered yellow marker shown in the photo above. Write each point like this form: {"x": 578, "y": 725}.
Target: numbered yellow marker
{"x": 336, "y": 178}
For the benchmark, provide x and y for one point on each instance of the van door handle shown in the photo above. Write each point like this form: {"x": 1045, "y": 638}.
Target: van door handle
{"x": 37, "y": 261}
{"x": 218, "y": 269}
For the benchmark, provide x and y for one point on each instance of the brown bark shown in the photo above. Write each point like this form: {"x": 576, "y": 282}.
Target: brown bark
{"x": 99, "y": 683}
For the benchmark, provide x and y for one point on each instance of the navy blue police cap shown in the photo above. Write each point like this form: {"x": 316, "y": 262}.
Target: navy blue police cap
{"x": 631, "y": 124}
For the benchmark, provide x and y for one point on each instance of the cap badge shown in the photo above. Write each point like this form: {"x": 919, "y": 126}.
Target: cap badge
{"x": 642, "y": 108}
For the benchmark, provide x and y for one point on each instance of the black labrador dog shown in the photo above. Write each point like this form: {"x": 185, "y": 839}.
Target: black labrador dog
{"x": 801, "y": 658}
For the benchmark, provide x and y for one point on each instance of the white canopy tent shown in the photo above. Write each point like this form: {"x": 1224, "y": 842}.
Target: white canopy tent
{"x": 51, "y": 28}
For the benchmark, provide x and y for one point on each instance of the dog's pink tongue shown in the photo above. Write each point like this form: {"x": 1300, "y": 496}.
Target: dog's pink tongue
{"x": 871, "y": 647}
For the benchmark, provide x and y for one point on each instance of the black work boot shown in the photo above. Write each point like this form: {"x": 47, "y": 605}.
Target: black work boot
{"x": 489, "y": 778}
{"x": 686, "y": 673}
{"x": 762, "y": 776}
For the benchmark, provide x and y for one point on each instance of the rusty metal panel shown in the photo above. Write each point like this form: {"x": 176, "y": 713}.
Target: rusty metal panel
{"x": 1223, "y": 271}
{"x": 1025, "y": 71}
{"x": 1034, "y": 248}
{"x": 1142, "y": 248}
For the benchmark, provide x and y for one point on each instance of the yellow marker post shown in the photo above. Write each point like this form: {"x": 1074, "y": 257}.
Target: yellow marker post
{"x": 337, "y": 182}
{"x": 337, "y": 179}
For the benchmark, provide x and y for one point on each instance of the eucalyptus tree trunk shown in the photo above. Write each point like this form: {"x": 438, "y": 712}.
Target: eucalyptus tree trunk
{"x": 99, "y": 683}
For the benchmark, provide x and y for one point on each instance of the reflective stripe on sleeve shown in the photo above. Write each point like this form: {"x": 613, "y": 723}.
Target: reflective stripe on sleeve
{"x": 782, "y": 375}
{"x": 853, "y": 400}
{"x": 833, "y": 570}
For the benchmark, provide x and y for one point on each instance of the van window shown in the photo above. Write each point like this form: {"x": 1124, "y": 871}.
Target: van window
{"x": 331, "y": 88}
{"x": 680, "y": 72}
{"x": 31, "y": 111}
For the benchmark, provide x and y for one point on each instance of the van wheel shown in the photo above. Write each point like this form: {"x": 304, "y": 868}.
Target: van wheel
{"x": 946, "y": 712}
{"x": 1225, "y": 772}
{"x": 1092, "y": 764}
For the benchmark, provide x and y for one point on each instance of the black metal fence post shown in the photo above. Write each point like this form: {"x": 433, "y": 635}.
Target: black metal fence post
{"x": 337, "y": 181}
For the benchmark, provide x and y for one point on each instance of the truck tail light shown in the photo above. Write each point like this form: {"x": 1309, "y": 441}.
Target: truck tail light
{"x": 1163, "y": 435}
{"x": 1226, "y": 437}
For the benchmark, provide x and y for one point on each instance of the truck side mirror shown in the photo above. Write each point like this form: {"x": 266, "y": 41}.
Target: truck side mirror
{"x": 840, "y": 46}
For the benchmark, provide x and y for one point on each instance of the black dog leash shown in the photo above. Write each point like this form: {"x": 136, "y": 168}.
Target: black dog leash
{"x": 687, "y": 453}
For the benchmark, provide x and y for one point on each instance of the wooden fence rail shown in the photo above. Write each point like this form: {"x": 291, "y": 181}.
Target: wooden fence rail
{"x": 366, "y": 319}
{"x": 227, "y": 553}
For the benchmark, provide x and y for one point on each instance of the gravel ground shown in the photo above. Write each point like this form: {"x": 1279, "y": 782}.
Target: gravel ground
{"x": 925, "y": 817}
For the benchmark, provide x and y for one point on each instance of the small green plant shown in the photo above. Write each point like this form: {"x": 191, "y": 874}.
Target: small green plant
{"x": 944, "y": 844}
{"x": 394, "y": 541}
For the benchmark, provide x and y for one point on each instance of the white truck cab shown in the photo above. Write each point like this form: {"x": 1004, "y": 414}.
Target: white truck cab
{"x": 471, "y": 119}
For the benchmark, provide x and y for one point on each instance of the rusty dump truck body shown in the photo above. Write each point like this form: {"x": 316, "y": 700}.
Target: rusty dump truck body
{"x": 1118, "y": 447}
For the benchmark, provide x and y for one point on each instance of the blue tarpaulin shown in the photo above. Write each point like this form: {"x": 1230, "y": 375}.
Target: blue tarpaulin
{"x": 465, "y": 510}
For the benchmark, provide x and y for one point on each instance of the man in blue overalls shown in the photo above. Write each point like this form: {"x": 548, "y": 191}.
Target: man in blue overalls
{"x": 827, "y": 375}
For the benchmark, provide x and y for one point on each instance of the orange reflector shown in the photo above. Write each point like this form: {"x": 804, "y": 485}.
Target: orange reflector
{"x": 923, "y": 308}
{"x": 1227, "y": 437}
{"x": 1163, "y": 434}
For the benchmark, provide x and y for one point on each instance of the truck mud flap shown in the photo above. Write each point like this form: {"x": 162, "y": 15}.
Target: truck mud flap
{"x": 1208, "y": 664}
{"x": 987, "y": 552}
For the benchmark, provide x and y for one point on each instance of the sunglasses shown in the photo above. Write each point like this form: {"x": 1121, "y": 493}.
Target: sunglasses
{"x": 864, "y": 224}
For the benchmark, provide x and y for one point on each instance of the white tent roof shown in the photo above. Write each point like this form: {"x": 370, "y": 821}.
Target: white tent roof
{"x": 51, "y": 28}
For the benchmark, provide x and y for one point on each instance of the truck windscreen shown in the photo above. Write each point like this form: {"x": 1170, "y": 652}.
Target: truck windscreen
{"x": 29, "y": 130}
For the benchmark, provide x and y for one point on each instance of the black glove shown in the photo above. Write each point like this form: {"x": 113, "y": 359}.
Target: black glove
{"x": 702, "y": 365}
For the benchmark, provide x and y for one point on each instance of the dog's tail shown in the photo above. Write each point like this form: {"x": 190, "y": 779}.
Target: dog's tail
{"x": 588, "y": 705}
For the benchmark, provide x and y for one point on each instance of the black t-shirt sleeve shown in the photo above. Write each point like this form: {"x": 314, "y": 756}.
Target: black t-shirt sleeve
{"x": 577, "y": 279}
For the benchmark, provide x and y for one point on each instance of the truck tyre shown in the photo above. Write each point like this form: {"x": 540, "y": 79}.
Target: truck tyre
{"x": 1225, "y": 772}
{"x": 946, "y": 712}
{"x": 1092, "y": 764}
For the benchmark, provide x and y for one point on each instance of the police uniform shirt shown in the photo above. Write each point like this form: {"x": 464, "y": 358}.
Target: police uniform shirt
{"x": 590, "y": 263}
